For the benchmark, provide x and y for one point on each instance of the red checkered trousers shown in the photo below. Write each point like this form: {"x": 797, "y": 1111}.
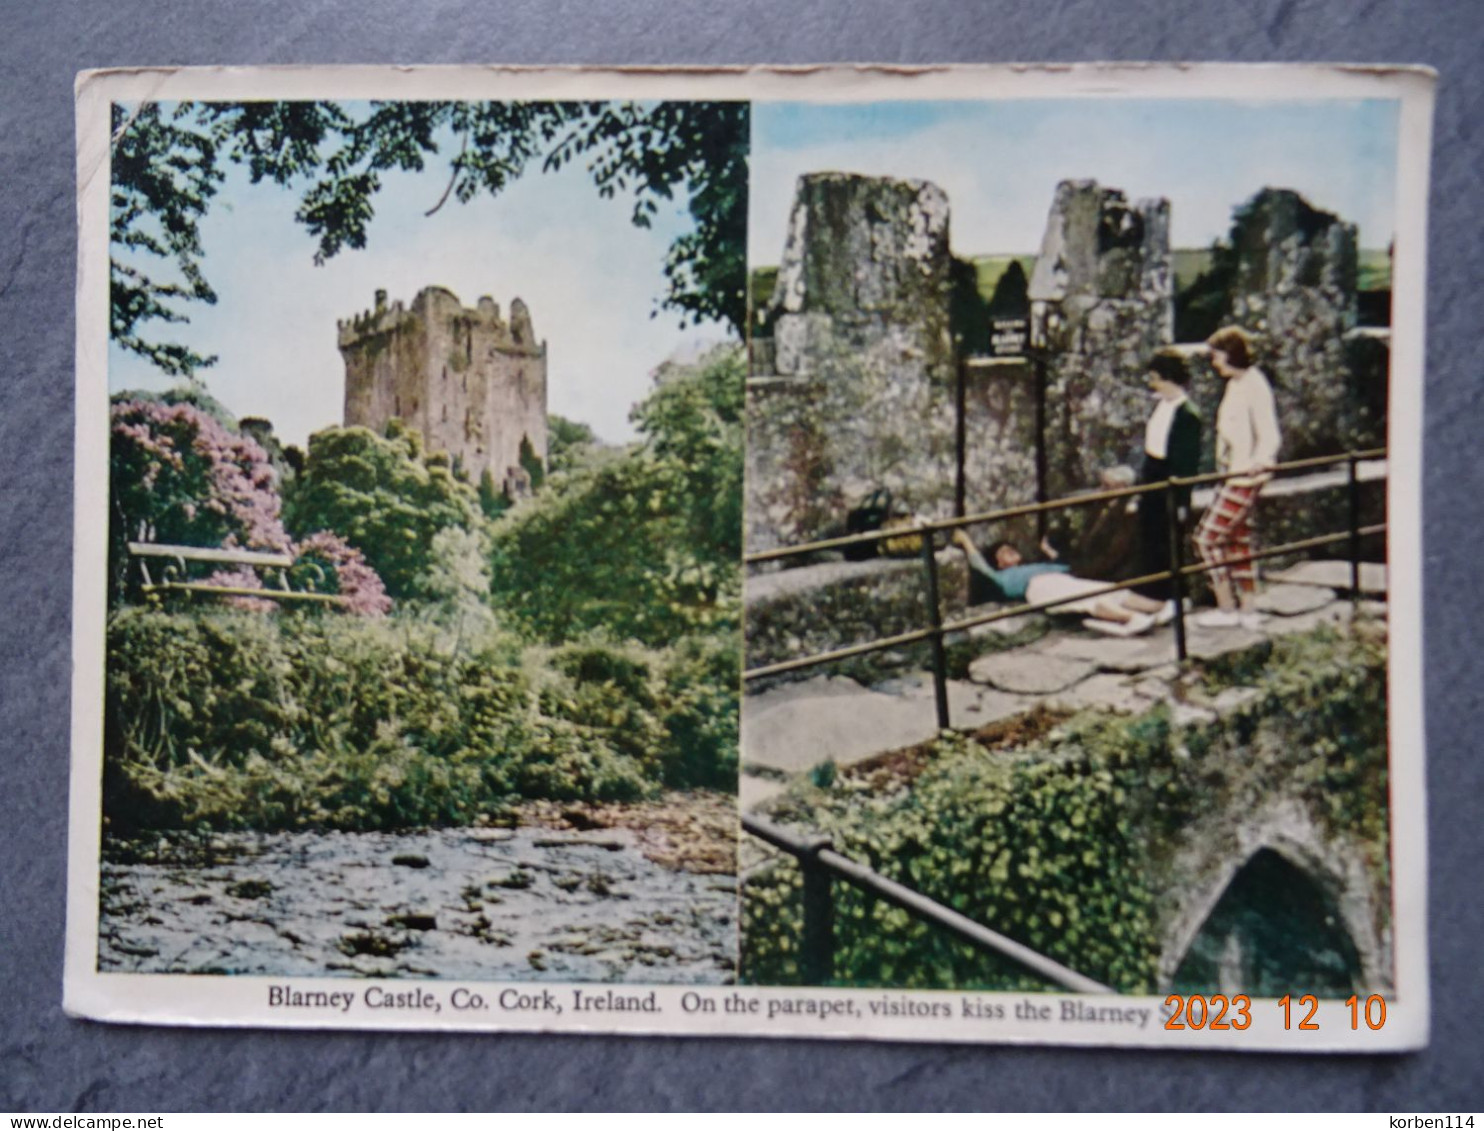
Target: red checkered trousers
{"x": 1225, "y": 532}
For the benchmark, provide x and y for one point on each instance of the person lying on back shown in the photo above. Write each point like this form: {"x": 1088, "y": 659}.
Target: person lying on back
{"x": 1014, "y": 579}
{"x": 1005, "y": 567}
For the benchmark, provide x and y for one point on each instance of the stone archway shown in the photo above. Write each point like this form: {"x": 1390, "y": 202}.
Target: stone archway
{"x": 1274, "y": 907}
{"x": 1274, "y": 928}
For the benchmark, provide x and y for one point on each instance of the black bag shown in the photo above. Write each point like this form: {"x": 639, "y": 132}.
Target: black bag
{"x": 866, "y": 517}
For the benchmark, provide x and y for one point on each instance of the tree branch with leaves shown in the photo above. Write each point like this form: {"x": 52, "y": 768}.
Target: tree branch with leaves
{"x": 169, "y": 162}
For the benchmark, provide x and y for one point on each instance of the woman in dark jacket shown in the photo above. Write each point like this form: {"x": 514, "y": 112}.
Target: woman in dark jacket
{"x": 1172, "y": 449}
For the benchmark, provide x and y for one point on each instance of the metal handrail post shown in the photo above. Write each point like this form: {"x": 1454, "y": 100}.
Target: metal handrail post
{"x": 817, "y": 955}
{"x": 935, "y": 620}
{"x": 1043, "y": 460}
{"x": 1177, "y": 567}
{"x": 1354, "y": 527}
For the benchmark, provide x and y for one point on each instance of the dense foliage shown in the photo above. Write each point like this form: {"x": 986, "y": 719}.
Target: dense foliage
{"x": 647, "y": 545}
{"x": 219, "y": 718}
{"x": 169, "y": 162}
{"x": 582, "y": 645}
{"x": 385, "y": 496}
{"x": 1059, "y": 844}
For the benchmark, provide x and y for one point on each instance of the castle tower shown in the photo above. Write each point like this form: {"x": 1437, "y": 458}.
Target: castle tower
{"x": 473, "y": 384}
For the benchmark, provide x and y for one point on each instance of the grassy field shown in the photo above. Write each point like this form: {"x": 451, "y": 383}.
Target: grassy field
{"x": 1374, "y": 271}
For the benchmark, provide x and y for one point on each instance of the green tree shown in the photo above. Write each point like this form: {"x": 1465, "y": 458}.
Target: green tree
{"x": 644, "y": 546}
{"x": 694, "y": 425}
{"x": 1011, "y": 298}
{"x": 385, "y": 497}
{"x": 567, "y": 441}
{"x": 169, "y": 163}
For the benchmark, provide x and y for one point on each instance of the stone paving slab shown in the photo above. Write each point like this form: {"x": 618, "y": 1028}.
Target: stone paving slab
{"x": 1113, "y": 692}
{"x": 1289, "y": 600}
{"x": 1117, "y": 654}
{"x": 753, "y": 791}
{"x": 788, "y": 729}
{"x": 1029, "y": 670}
{"x": 1334, "y": 575}
{"x": 1232, "y": 699}
{"x": 1010, "y": 626}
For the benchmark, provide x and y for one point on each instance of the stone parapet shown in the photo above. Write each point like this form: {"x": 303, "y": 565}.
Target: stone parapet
{"x": 817, "y": 608}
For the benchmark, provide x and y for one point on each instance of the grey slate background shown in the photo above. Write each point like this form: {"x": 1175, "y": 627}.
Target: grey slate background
{"x": 49, "y": 1063}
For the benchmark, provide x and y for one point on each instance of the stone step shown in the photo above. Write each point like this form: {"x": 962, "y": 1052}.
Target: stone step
{"x": 1334, "y": 575}
{"x": 754, "y": 790}
{"x": 795, "y": 727}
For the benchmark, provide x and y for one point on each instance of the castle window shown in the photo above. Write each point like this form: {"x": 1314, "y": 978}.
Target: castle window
{"x": 397, "y": 406}
{"x": 445, "y": 414}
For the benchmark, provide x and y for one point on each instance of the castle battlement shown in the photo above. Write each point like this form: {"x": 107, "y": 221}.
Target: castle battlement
{"x": 516, "y": 336}
{"x": 471, "y": 381}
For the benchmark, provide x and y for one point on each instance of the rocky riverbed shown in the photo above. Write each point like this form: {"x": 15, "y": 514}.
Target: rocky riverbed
{"x": 599, "y": 893}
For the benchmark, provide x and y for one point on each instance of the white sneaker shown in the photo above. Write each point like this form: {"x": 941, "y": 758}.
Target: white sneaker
{"x": 1252, "y": 621}
{"x": 1218, "y": 618}
{"x": 1165, "y": 614}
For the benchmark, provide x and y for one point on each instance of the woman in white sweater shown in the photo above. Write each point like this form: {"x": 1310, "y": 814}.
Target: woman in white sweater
{"x": 1247, "y": 440}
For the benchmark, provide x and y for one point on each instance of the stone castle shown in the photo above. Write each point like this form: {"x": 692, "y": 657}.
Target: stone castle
{"x": 472, "y": 383}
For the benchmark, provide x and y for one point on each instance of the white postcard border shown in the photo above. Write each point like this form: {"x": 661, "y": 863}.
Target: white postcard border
{"x": 245, "y": 1001}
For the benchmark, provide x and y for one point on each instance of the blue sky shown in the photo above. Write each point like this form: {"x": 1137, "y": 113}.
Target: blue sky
{"x": 589, "y": 277}
{"x": 1000, "y": 161}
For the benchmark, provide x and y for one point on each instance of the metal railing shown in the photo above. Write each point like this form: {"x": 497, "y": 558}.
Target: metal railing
{"x": 936, "y": 630}
{"x": 820, "y": 865}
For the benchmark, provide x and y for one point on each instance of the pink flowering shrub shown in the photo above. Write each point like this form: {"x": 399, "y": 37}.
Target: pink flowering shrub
{"x": 179, "y": 476}
{"x": 346, "y": 571}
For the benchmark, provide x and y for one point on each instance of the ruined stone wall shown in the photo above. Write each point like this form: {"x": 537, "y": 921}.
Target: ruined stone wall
{"x": 1295, "y": 291}
{"x": 861, "y": 393}
{"x": 1347, "y": 411}
{"x": 471, "y": 383}
{"x": 999, "y": 436}
{"x": 1102, "y": 301}
{"x": 818, "y": 608}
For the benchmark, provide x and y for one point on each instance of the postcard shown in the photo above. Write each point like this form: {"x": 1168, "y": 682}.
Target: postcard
{"x": 832, "y": 552}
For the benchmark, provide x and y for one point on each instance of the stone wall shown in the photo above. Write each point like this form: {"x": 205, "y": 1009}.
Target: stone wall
{"x": 1345, "y": 412}
{"x": 473, "y": 384}
{"x": 817, "y": 608}
{"x": 1102, "y": 301}
{"x": 861, "y": 393}
{"x": 1294, "y": 290}
{"x": 999, "y": 434}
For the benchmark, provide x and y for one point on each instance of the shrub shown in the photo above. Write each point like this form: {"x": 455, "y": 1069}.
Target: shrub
{"x": 223, "y": 718}
{"x": 383, "y": 496}
{"x": 647, "y": 545}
